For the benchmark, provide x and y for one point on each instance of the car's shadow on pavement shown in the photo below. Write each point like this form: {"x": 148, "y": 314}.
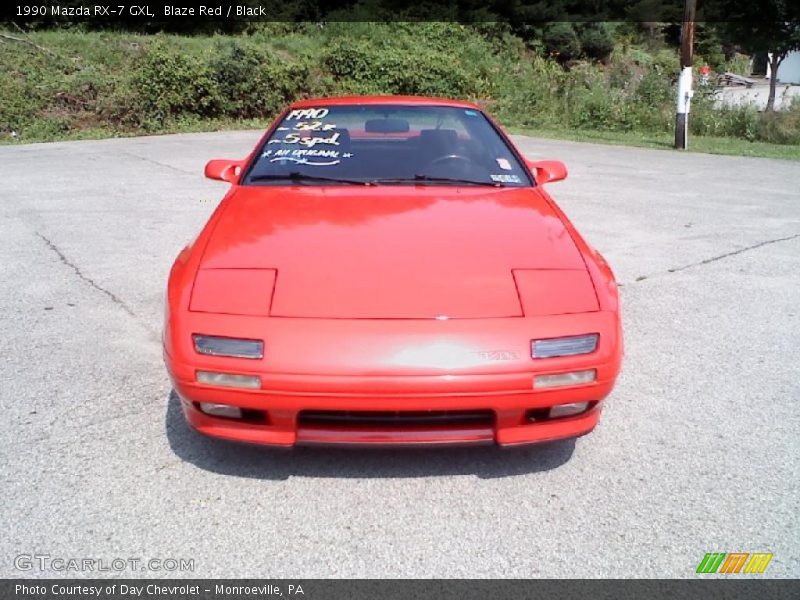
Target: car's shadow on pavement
{"x": 241, "y": 460}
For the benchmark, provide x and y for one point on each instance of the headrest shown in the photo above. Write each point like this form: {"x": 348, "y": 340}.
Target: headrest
{"x": 438, "y": 136}
{"x": 344, "y": 136}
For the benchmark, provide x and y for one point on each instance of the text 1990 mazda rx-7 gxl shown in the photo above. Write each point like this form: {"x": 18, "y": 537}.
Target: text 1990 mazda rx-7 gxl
{"x": 390, "y": 270}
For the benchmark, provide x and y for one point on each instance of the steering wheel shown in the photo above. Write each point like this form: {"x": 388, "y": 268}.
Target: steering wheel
{"x": 448, "y": 158}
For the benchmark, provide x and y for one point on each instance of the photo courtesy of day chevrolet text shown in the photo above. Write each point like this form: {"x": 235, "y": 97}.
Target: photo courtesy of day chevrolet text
{"x": 154, "y": 590}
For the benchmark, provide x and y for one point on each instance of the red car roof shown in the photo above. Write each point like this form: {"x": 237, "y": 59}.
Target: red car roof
{"x": 412, "y": 100}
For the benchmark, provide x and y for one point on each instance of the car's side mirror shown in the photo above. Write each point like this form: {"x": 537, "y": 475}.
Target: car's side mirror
{"x": 224, "y": 170}
{"x": 545, "y": 171}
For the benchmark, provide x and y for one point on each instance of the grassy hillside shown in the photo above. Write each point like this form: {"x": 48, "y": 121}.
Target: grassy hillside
{"x": 93, "y": 84}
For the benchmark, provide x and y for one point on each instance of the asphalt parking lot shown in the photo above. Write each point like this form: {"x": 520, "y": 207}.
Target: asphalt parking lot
{"x": 698, "y": 449}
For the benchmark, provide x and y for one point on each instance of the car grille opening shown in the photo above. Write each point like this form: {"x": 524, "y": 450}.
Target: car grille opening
{"x": 397, "y": 419}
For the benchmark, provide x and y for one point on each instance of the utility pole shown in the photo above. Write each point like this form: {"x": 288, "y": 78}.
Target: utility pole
{"x": 685, "y": 91}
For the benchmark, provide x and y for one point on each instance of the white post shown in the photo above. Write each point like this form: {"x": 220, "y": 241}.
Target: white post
{"x": 685, "y": 78}
{"x": 683, "y": 106}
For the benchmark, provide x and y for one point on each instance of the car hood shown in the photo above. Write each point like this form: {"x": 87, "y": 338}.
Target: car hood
{"x": 389, "y": 252}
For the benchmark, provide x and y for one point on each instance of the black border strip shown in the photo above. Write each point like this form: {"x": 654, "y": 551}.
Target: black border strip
{"x": 731, "y": 587}
{"x": 230, "y": 15}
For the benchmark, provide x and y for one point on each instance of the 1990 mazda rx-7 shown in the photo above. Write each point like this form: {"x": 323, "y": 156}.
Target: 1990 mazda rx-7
{"x": 390, "y": 270}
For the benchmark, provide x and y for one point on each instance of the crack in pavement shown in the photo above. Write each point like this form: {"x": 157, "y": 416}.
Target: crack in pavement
{"x": 719, "y": 257}
{"x": 733, "y": 253}
{"x": 156, "y": 162}
{"x": 113, "y": 297}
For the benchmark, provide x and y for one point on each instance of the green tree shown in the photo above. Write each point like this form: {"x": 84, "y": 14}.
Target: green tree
{"x": 596, "y": 40}
{"x": 561, "y": 41}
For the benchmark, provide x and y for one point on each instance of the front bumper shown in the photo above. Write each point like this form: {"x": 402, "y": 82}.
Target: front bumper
{"x": 284, "y": 425}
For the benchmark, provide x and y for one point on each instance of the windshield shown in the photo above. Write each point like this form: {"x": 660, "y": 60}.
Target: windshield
{"x": 386, "y": 144}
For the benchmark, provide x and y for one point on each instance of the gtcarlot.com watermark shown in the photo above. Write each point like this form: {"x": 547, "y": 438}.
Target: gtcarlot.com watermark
{"x": 70, "y": 564}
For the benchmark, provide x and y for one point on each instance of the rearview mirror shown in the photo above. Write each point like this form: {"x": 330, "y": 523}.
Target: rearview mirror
{"x": 545, "y": 171}
{"x": 224, "y": 170}
{"x": 386, "y": 126}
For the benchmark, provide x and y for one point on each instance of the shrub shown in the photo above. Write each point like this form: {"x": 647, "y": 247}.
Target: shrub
{"x": 733, "y": 121}
{"x": 365, "y": 67}
{"x": 358, "y": 64}
{"x": 667, "y": 63}
{"x": 169, "y": 82}
{"x": 781, "y": 127}
{"x": 654, "y": 89}
{"x": 740, "y": 64}
{"x": 528, "y": 91}
{"x": 253, "y": 82}
{"x": 15, "y": 109}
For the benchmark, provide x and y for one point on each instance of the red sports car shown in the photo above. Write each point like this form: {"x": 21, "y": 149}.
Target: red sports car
{"x": 390, "y": 270}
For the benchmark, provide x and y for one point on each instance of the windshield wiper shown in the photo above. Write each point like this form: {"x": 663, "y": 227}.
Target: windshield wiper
{"x": 297, "y": 176}
{"x": 418, "y": 178}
